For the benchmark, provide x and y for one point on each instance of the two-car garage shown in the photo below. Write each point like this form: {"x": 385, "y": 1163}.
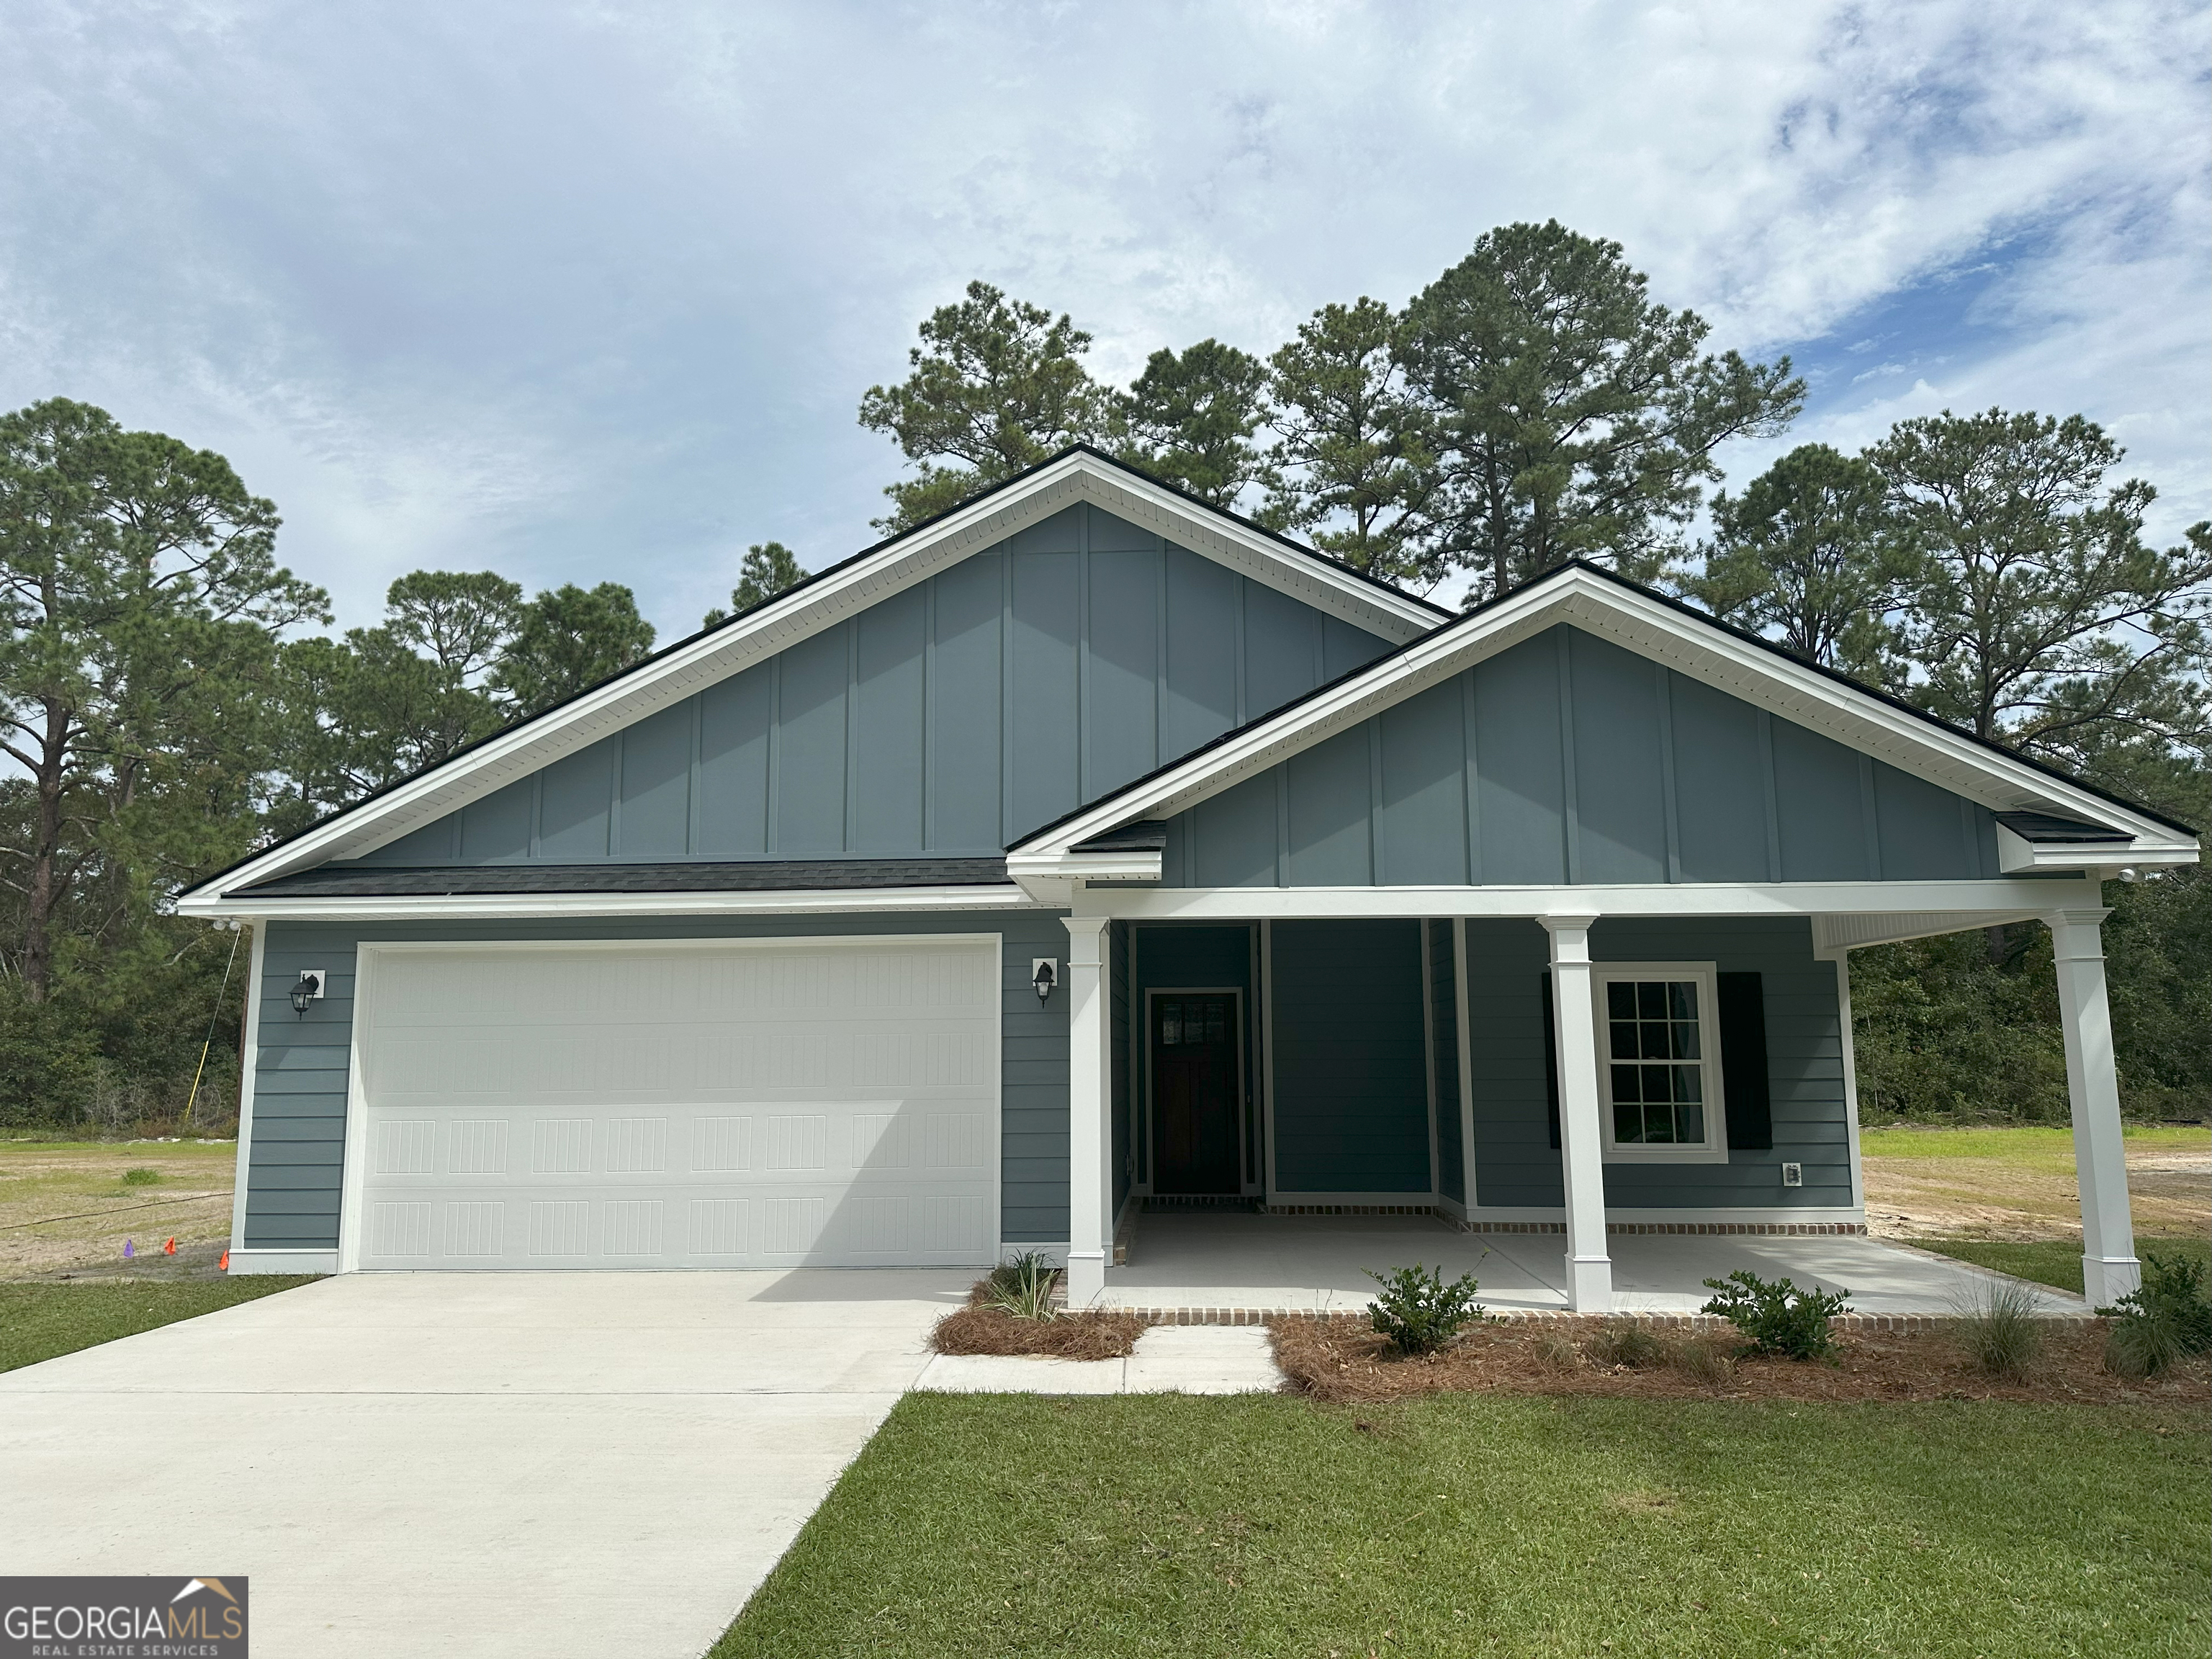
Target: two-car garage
{"x": 682, "y": 1104}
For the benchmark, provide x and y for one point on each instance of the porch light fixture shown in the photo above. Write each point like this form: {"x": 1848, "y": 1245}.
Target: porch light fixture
{"x": 1048, "y": 975}
{"x": 310, "y": 987}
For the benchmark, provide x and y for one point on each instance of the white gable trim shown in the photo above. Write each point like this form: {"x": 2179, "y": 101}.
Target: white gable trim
{"x": 525, "y": 906}
{"x": 1647, "y": 626}
{"x": 695, "y": 663}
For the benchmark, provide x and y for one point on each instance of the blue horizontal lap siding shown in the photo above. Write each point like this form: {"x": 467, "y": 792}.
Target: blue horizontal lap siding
{"x": 1351, "y": 1111}
{"x": 296, "y": 1164}
{"x": 1515, "y": 1163}
{"x": 1567, "y": 760}
{"x": 951, "y": 717}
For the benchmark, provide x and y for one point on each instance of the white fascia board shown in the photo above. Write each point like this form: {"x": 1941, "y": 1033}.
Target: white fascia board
{"x": 697, "y": 663}
{"x": 1962, "y": 903}
{"x": 522, "y": 907}
{"x": 1690, "y": 646}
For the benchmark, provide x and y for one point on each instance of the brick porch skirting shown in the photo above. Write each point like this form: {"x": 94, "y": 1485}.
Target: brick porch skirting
{"x": 1682, "y": 1321}
{"x": 1760, "y": 1229}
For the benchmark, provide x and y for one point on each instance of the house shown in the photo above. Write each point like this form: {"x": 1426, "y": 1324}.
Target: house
{"x": 1088, "y": 846}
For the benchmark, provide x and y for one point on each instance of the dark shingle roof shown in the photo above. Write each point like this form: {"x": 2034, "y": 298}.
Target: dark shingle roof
{"x": 752, "y": 876}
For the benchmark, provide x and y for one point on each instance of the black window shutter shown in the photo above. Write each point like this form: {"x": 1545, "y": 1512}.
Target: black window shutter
{"x": 1551, "y": 1058}
{"x": 1742, "y": 1015}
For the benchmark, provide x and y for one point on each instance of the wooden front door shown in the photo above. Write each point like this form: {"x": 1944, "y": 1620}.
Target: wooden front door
{"x": 1196, "y": 1038}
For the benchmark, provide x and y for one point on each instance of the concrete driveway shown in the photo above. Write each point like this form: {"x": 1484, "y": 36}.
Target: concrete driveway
{"x": 486, "y": 1464}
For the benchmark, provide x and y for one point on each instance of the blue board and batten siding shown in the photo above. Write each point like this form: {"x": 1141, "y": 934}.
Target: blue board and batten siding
{"x": 1566, "y": 760}
{"x": 950, "y": 718}
{"x": 1352, "y": 1103}
{"x": 1443, "y": 1061}
{"x": 298, "y": 1148}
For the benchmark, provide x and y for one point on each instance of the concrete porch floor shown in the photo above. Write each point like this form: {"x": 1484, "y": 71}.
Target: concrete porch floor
{"x": 1314, "y": 1263}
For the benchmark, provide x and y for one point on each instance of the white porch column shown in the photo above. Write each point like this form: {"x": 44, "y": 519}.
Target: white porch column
{"x": 2109, "y": 1269}
{"x": 1090, "y": 1111}
{"x": 1582, "y": 1148}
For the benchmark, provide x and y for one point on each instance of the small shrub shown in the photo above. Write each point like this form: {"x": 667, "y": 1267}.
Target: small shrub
{"x": 1701, "y": 1360}
{"x": 2166, "y": 1319}
{"x": 1778, "y": 1318}
{"x": 1022, "y": 1287}
{"x": 1624, "y": 1342}
{"x": 1999, "y": 1330}
{"x": 1419, "y": 1312}
{"x": 144, "y": 1176}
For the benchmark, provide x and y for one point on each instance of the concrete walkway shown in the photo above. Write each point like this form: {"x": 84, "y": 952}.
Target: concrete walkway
{"x": 1170, "y": 1359}
{"x": 1315, "y": 1263}
{"x": 468, "y": 1463}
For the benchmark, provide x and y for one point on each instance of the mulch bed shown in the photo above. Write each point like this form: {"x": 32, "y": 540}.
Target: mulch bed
{"x": 1071, "y": 1336}
{"x": 1341, "y": 1360}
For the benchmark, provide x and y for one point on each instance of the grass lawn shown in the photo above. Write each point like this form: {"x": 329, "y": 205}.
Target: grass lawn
{"x": 67, "y": 1205}
{"x": 2053, "y": 1261}
{"x": 2026, "y": 1147}
{"x": 2017, "y": 1181}
{"x": 1266, "y": 1524}
{"x": 40, "y": 1321}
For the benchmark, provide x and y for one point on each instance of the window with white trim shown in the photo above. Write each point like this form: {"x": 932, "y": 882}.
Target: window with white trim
{"x": 1659, "y": 1068}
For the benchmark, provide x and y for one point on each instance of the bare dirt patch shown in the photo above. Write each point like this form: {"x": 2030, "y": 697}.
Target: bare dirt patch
{"x": 1071, "y": 1336}
{"x": 66, "y": 1209}
{"x": 1338, "y": 1360}
{"x": 2028, "y": 1195}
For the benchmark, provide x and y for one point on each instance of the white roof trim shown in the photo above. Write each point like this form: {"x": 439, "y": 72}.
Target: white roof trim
{"x": 695, "y": 663}
{"x": 1652, "y": 629}
{"x": 504, "y": 907}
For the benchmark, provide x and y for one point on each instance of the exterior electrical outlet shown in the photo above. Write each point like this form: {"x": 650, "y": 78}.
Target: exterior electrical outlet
{"x": 1793, "y": 1175}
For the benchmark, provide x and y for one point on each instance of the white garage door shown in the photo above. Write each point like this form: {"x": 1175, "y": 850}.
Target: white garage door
{"x": 779, "y": 1103}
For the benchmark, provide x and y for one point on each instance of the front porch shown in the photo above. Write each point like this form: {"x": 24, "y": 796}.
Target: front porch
{"x": 1589, "y": 1111}
{"x": 1231, "y": 1263}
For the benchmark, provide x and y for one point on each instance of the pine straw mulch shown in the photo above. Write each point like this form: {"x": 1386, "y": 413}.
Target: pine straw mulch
{"x": 1341, "y": 1360}
{"x": 975, "y": 1330}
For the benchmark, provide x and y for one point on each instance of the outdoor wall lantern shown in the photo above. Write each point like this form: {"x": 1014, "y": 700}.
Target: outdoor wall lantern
{"x": 307, "y": 990}
{"x": 1048, "y": 975}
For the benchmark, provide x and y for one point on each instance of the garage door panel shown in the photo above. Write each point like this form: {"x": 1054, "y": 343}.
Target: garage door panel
{"x": 665, "y": 1108}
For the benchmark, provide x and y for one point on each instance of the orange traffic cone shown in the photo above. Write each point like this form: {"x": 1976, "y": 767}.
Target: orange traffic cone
{"x": 224, "y": 1266}
{"x": 169, "y": 1248}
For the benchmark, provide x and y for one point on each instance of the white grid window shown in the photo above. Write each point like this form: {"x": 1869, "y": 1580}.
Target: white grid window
{"x": 1659, "y": 1073}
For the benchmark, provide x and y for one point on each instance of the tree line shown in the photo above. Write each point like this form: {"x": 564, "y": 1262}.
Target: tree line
{"x": 168, "y": 703}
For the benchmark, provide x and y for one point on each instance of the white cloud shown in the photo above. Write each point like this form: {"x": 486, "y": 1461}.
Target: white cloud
{"x": 595, "y": 292}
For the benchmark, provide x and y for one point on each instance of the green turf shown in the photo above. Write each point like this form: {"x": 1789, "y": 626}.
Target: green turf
{"x": 1263, "y": 1524}
{"x": 2052, "y": 1260}
{"x": 2029, "y": 1146}
{"x": 40, "y": 1321}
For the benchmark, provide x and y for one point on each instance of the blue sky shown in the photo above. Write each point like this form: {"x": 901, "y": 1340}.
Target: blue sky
{"x": 589, "y": 291}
